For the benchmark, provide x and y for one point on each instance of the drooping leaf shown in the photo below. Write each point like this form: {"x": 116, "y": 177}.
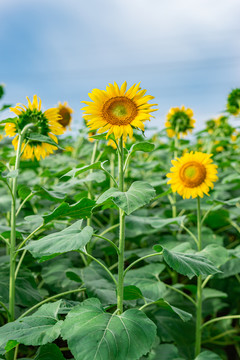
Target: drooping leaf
{"x": 99, "y": 283}
{"x": 207, "y": 355}
{"x": 42, "y": 139}
{"x": 132, "y": 292}
{"x": 49, "y": 352}
{"x": 189, "y": 264}
{"x": 142, "y": 146}
{"x": 69, "y": 239}
{"x": 92, "y": 333}
{"x": 147, "y": 280}
{"x": 230, "y": 268}
{"x": 77, "y": 171}
{"x": 185, "y": 316}
{"x": 139, "y": 194}
{"x": 217, "y": 254}
{"x": 80, "y": 210}
{"x": 38, "y": 329}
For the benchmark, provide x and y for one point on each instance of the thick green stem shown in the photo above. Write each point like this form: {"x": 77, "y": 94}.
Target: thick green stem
{"x": 121, "y": 231}
{"x": 199, "y": 288}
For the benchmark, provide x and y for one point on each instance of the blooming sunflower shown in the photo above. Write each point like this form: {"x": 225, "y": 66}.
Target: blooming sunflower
{"x": 233, "y": 102}
{"x": 179, "y": 121}
{"x": 65, "y": 112}
{"x": 117, "y": 110}
{"x": 192, "y": 175}
{"x": 44, "y": 123}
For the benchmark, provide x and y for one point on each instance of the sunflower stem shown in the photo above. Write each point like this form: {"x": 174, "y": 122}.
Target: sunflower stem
{"x": 121, "y": 231}
{"x": 199, "y": 288}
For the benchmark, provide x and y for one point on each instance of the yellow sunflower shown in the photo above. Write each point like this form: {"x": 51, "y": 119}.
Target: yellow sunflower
{"x": 192, "y": 175}
{"x": 65, "y": 112}
{"x": 179, "y": 121}
{"x": 44, "y": 123}
{"x": 117, "y": 110}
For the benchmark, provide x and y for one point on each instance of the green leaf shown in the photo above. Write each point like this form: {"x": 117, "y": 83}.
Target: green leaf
{"x": 209, "y": 293}
{"x": 92, "y": 333}
{"x": 38, "y": 329}
{"x": 49, "y": 352}
{"x": 159, "y": 223}
{"x": 10, "y": 174}
{"x": 69, "y": 239}
{"x": 9, "y": 120}
{"x": 49, "y": 194}
{"x": 99, "y": 283}
{"x": 79, "y": 210}
{"x": 132, "y": 292}
{"x": 147, "y": 280}
{"x": 185, "y": 316}
{"x": 208, "y": 355}
{"x": 189, "y": 264}
{"x": 140, "y": 193}
{"x": 142, "y": 146}
{"x": 217, "y": 254}
{"x": 43, "y": 139}
{"x": 76, "y": 172}
{"x": 23, "y": 191}
{"x": 164, "y": 352}
{"x": 230, "y": 268}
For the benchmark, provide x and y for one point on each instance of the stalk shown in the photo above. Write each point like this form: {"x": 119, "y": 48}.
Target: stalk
{"x": 199, "y": 288}
{"x": 121, "y": 231}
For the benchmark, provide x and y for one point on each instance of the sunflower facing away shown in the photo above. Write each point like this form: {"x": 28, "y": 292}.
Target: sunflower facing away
{"x": 192, "y": 175}
{"x": 179, "y": 121}
{"x": 44, "y": 123}
{"x": 65, "y": 112}
{"x": 117, "y": 110}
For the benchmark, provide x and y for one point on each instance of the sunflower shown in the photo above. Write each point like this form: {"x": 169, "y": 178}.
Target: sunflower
{"x": 65, "y": 112}
{"x": 233, "y": 102}
{"x": 192, "y": 175}
{"x": 117, "y": 110}
{"x": 44, "y": 123}
{"x": 179, "y": 121}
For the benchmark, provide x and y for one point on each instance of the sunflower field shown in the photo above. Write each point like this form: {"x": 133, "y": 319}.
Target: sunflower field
{"x": 116, "y": 244}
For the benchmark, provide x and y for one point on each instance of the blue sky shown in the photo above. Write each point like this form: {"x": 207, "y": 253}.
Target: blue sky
{"x": 183, "y": 51}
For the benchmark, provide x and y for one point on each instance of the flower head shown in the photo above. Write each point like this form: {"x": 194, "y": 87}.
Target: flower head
{"x": 233, "y": 102}
{"x": 44, "y": 123}
{"x": 192, "y": 175}
{"x": 179, "y": 121}
{"x": 117, "y": 110}
{"x": 65, "y": 112}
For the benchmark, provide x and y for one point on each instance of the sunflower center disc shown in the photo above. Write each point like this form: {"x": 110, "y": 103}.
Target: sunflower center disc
{"x": 66, "y": 116}
{"x": 119, "y": 111}
{"x": 192, "y": 174}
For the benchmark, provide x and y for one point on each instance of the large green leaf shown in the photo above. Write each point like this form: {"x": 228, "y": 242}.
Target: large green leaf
{"x": 38, "y": 329}
{"x": 208, "y": 355}
{"x": 92, "y": 333}
{"x": 189, "y": 264}
{"x": 49, "y": 352}
{"x": 26, "y": 290}
{"x": 99, "y": 283}
{"x": 142, "y": 146}
{"x": 185, "y": 316}
{"x": 140, "y": 193}
{"x": 147, "y": 280}
{"x": 69, "y": 239}
{"x": 36, "y": 137}
{"x": 163, "y": 352}
{"x": 215, "y": 253}
{"x": 77, "y": 171}
{"x": 80, "y": 210}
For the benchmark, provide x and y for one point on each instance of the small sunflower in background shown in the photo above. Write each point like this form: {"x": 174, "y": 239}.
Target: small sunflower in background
{"x": 44, "y": 123}
{"x": 118, "y": 110}
{"x": 66, "y": 114}
{"x": 233, "y": 102}
{"x": 179, "y": 121}
{"x": 192, "y": 175}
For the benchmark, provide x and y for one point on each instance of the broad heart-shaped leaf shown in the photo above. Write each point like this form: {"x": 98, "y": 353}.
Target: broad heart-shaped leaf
{"x": 189, "y": 264}
{"x": 215, "y": 253}
{"x": 93, "y": 334}
{"x": 38, "y": 329}
{"x": 164, "y": 352}
{"x": 140, "y": 193}
{"x": 69, "y": 239}
{"x": 49, "y": 352}
{"x": 147, "y": 280}
{"x": 142, "y": 146}
{"x": 208, "y": 355}
{"x": 80, "y": 210}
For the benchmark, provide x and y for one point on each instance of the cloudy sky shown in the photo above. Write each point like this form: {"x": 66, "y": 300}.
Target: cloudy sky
{"x": 183, "y": 51}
